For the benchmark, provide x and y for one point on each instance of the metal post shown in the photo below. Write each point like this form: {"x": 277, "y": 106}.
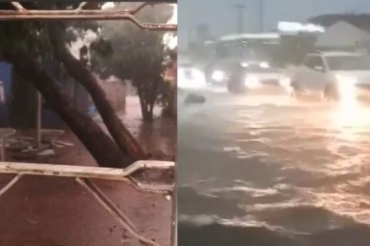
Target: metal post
{"x": 262, "y": 15}
{"x": 3, "y": 149}
{"x": 38, "y": 120}
{"x": 240, "y": 8}
{"x": 174, "y": 219}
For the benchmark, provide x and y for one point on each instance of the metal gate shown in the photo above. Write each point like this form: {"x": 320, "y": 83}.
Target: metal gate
{"x": 82, "y": 174}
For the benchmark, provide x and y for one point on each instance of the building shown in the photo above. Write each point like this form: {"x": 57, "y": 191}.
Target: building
{"x": 344, "y": 32}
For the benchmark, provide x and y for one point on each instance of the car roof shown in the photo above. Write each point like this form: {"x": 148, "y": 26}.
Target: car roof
{"x": 341, "y": 53}
{"x": 251, "y": 36}
{"x": 336, "y": 53}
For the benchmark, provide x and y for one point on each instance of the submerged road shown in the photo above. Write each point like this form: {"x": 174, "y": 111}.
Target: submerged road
{"x": 269, "y": 170}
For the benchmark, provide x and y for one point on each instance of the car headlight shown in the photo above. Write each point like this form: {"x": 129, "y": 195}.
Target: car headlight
{"x": 264, "y": 65}
{"x": 346, "y": 79}
{"x": 244, "y": 64}
{"x": 218, "y": 75}
{"x": 346, "y": 86}
{"x": 252, "y": 82}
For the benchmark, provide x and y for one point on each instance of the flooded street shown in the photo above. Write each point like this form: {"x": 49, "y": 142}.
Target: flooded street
{"x": 273, "y": 170}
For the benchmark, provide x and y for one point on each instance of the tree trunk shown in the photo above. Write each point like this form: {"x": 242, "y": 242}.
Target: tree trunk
{"x": 146, "y": 111}
{"x": 125, "y": 141}
{"x": 174, "y": 103}
{"x": 23, "y": 104}
{"x": 101, "y": 146}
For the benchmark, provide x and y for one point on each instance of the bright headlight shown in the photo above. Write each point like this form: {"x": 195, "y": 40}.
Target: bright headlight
{"x": 285, "y": 81}
{"x": 251, "y": 82}
{"x": 346, "y": 79}
{"x": 346, "y": 87}
{"x": 264, "y": 65}
{"x": 197, "y": 74}
{"x": 244, "y": 64}
{"x": 218, "y": 75}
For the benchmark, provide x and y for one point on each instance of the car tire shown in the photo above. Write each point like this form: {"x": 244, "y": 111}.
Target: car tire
{"x": 232, "y": 86}
{"x": 331, "y": 93}
{"x": 297, "y": 90}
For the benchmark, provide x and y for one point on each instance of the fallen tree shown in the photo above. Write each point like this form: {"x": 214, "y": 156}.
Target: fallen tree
{"x": 25, "y": 44}
{"x": 101, "y": 146}
{"x": 125, "y": 141}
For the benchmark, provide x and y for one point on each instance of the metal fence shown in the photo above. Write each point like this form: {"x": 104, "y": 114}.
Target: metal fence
{"x": 84, "y": 175}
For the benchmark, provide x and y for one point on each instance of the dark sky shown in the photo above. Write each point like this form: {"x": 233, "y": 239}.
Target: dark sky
{"x": 221, "y": 16}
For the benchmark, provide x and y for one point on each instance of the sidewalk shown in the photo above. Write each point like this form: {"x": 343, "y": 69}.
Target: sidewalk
{"x": 44, "y": 211}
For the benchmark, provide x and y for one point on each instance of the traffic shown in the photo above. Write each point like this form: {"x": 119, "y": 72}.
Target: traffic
{"x": 334, "y": 75}
{"x": 246, "y": 64}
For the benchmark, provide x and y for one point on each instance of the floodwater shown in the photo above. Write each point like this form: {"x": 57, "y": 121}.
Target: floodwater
{"x": 269, "y": 170}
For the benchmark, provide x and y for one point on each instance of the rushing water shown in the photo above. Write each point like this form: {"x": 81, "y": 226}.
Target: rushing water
{"x": 268, "y": 170}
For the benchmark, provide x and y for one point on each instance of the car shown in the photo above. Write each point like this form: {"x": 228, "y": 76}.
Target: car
{"x": 335, "y": 75}
{"x": 257, "y": 75}
{"x": 218, "y": 72}
{"x": 189, "y": 77}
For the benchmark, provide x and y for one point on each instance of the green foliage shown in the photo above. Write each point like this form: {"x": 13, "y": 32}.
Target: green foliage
{"x": 133, "y": 54}
{"x": 125, "y": 51}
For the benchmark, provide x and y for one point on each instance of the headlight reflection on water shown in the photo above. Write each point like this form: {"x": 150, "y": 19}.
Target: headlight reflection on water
{"x": 218, "y": 75}
{"x": 347, "y": 91}
{"x": 285, "y": 82}
{"x": 252, "y": 82}
{"x": 350, "y": 115}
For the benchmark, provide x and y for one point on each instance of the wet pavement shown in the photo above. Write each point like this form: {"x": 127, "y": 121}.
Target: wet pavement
{"x": 42, "y": 211}
{"x": 271, "y": 170}
{"x": 47, "y": 211}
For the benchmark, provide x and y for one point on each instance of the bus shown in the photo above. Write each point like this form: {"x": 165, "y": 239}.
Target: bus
{"x": 228, "y": 52}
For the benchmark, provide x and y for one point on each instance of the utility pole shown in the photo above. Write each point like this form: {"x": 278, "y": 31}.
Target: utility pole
{"x": 189, "y": 36}
{"x": 262, "y": 15}
{"x": 240, "y": 8}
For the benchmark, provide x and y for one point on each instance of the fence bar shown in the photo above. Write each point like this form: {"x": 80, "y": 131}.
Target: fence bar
{"x": 113, "y": 210}
{"x": 81, "y": 171}
{"x": 21, "y": 13}
{"x": 10, "y": 184}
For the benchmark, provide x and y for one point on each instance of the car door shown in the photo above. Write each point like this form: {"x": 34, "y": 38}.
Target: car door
{"x": 314, "y": 73}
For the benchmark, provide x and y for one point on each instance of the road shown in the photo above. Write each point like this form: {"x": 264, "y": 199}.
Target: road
{"x": 271, "y": 170}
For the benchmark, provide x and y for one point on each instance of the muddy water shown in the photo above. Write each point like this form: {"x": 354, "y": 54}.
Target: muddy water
{"x": 273, "y": 170}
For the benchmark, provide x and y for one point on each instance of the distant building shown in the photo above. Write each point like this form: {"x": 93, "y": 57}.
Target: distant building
{"x": 202, "y": 32}
{"x": 344, "y": 32}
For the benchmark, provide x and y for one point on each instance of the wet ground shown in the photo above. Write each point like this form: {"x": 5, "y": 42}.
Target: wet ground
{"x": 44, "y": 211}
{"x": 271, "y": 170}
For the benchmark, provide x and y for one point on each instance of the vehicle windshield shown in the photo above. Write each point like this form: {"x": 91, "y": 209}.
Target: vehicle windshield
{"x": 260, "y": 68}
{"x": 348, "y": 63}
{"x": 245, "y": 50}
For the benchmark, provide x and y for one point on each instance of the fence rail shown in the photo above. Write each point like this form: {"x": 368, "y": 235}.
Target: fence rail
{"x": 21, "y": 13}
{"x": 84, "y": 175}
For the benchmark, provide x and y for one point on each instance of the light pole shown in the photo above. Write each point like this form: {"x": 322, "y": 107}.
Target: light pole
{"x": 262, "y": 15}
{"x": 240, "y": 8}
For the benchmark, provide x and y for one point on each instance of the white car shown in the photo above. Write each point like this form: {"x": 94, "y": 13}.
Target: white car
{"x": 190, "y": 78}
{"x": 334, "y": 75}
